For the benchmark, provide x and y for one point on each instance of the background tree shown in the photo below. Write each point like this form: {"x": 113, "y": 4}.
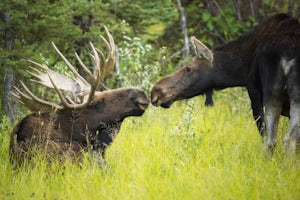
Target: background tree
{"x": 33, "y": 25}
{"x": 148, "y": 34}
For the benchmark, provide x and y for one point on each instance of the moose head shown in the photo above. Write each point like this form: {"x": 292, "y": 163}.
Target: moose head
{"x": 191, "y": 80}
{"x": 85, "y": 119}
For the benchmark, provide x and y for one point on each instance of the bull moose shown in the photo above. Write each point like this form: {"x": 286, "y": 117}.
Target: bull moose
{"x": 86, "y": 120}
{"x": 275, "y": 73}
{"x": 228, "y": 65}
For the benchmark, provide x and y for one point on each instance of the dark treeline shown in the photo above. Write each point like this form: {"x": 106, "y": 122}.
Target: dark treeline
{"x": 149, "y": 34}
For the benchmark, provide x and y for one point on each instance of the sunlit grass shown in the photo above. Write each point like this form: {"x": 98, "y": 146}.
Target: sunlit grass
{"x": 185, "y": 152}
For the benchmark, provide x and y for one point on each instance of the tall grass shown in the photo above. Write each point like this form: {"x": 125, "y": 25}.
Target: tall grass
{"x": 185, "y": 152}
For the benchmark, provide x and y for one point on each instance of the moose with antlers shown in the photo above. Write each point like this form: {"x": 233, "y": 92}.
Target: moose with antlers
{"x": 86, "y": 120}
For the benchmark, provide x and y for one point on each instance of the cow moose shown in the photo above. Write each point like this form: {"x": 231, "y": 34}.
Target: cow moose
{"x": 228, "y": 65}
{"x": 276, "y": 74}
{"x": 86, "y": 120}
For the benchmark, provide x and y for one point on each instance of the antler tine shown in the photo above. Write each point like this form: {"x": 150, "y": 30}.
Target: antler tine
{"x": 111, "y": 43}
{"x": 61, "y": 96}
{"x": 38, "y": 76}
{"x": 33, "y": 98}
{"x": 20, "y": 94}
{"x": 64, "y": 100}
{"x": 38, "y": 64}
{"x": 70, "y": 66}
{"x": 65, "y": 83}
{"x": 96, "y": 76}
{"x": 97, "y": 73}
{"x": 109, "y": 62}
{"x": 84, "y": 67}
{"x": 18, "y": 97}
{"x": 97, "y": 64}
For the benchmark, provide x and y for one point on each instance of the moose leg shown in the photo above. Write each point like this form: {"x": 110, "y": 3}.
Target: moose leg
{"x": 208, "y": 98}
{"x": 293, "y": 89}
{"x": 291, "y": 138}
{"x": 272, "y": 114}
{"x": 295, "y": 139}
{"x": 257, "y": 109}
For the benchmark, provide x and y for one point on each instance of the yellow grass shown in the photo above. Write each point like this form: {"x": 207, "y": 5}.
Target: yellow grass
{"x": 185, "y": 152}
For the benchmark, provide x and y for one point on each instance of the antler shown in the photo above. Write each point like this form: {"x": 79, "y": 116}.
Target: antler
{"x": 109, "y": 62}
{"x": 76, "y": 92}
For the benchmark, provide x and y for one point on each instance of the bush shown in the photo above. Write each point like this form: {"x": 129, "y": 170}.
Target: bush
{"x": 139, "y": 62}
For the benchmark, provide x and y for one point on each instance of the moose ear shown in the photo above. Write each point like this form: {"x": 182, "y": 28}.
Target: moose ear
{"x": 201, "y": 50}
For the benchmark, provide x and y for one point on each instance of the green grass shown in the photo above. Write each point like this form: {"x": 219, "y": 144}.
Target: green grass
{"x": 185, "y": 152}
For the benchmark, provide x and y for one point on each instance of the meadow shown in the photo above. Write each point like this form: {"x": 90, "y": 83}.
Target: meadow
{"x": 186, "y": 152}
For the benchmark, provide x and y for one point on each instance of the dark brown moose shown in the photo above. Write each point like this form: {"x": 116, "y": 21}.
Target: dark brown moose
{"x": 228, "y": 65}
{"x": 276, "y": 73}
{"x": 86, "y": 120}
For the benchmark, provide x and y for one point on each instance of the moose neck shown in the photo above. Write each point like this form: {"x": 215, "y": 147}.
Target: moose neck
{"x": 105, "y": 116}
{"x": 230, "y": 69}
{"x": 232, "y": 61}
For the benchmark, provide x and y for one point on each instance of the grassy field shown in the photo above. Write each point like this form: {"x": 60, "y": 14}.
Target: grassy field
{"x": 186, "y": 152}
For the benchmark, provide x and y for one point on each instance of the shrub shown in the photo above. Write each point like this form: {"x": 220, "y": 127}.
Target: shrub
{"x": 139, "y": 62}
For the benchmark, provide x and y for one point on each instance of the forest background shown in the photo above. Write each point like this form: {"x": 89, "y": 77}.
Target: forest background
{"x": 151, "y": 36}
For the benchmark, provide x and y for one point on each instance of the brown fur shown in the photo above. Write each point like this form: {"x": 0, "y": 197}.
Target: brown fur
{"x": 231, "y": 67}
{"x": 69, "y": 134}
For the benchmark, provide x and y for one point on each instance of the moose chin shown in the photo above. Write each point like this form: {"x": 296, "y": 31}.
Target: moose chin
{"x": 86, "y": 120}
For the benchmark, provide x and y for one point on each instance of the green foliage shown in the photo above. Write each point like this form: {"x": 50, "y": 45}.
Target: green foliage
{"x": 273, "y": 7}
{"x": 218, "y": 27}
{"x": 142, "y": 14}
{"x": 32, "y": 25}
{"x": 4, "y": 124}
{"x": 140, "y": 63}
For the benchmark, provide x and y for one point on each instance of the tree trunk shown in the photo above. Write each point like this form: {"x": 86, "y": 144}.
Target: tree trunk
{"x": 9, "y": 104}
{"x": 118, "y": 71}
{"x": 186, "y": 49}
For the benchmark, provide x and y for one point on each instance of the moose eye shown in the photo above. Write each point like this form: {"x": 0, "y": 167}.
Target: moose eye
{"x": 188, "y": 69}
